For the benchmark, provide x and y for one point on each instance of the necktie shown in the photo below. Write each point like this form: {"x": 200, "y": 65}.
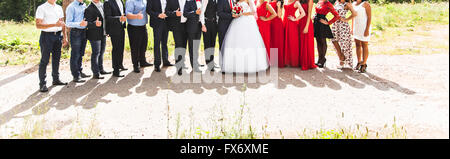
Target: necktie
{"x": 81, "y": 3}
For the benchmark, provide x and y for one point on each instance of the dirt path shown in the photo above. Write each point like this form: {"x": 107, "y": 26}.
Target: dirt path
{"x": 412, "y": 89}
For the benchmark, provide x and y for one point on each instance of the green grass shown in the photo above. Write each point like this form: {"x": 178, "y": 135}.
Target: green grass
{"x": 19, "y": 42}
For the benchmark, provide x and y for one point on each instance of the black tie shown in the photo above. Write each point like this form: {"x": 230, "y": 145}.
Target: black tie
{"x": 81, "y": 3}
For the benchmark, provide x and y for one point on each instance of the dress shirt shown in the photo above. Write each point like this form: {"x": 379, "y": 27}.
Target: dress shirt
{"x": 119, "y": 3}
{"x": 50, "y": 14}
{"x": 99, "y": 6}
{"x": 134, "y": 7}
{"x": 202, "y": 15}
{"x": 182, "y": 3}
{"x": 75, "y": 14}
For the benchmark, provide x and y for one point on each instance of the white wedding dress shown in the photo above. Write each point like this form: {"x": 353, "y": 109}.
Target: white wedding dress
{"x": 243, "y": 50}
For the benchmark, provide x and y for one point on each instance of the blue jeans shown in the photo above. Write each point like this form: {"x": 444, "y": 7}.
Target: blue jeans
{"x": 78, "y": 42}
{"x": 98, "y": 49}
{"x": 49, "y": 43}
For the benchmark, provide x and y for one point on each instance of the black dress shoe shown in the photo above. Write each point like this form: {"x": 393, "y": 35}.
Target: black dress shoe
{"x": 180, "y": 72}
{"x": 146, "y": 64}
{"x": 157, "y": 69}
{"x": 43, "y": 88}
{"x": 123, "y": 68}
{"x": 104, "y": 72}
{"x": 118, "y": 75}
{"x": 167, "y": 64}
{"x": 136, "y": 70}
{"x": 77, "y": 80}
{"x": 84, "y": 75}
{"x": 58, "y": 83}
{"x": 98, "y": 77}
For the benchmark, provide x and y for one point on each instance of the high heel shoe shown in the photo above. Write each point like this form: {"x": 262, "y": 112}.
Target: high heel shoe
{"x": 341, "y": 65}
{"x": 321, "y": 65}
{"x": 363, "y": 68}
{"x": 358, "y": 66}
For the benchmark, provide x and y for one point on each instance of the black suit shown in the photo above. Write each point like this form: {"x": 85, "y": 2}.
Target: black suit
{"x": 178, "y": 31}
{"x": 93, "y": 32}
{"x": 193, "y": 29}
{"x": 210, "y": 36}
{"x": 116, "y": 30}
{"x": 225, "y": 18}
{"x": 96, "y": 36}
{"x": 160, "y": 32}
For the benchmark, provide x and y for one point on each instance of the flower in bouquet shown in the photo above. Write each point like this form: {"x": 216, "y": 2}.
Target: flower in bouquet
{"x": 237, "y": 9}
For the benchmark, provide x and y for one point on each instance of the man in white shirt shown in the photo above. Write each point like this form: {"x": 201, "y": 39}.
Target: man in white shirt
{"x": 49, "y": 19}
{"x": 177, "y": 24}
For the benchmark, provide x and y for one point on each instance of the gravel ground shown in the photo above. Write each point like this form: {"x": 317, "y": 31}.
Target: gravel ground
{"x": 413, "y": 89}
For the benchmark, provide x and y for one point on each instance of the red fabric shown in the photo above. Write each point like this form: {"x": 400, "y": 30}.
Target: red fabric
{"x": 264, "y": 26}
{"x": 277, "y": 36}
{"x": 231, "y": 4}
{"x": 291, "y": 39}
{"x": 306, "y": 42}
{"x": 325, "y": 7}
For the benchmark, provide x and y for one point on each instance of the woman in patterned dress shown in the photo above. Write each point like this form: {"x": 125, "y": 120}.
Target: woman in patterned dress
{"x": 342, "y": 40}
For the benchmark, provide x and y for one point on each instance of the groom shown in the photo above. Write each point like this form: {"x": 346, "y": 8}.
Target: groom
{"x": 224, "y": 11}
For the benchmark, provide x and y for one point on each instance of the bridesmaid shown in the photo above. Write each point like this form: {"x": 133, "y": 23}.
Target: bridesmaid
{"x": 307, "y": 37}
{"x": 291, "y": 32}
{"x": 361, "y": 32}
{"x": 342, "y": 40}
{"x": 265, "y": 14}
{"x": 277, "y": 31}
{"x": 322, "y": 29}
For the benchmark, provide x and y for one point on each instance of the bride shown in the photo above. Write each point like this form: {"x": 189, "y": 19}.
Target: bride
{"x": 243, "y": 50}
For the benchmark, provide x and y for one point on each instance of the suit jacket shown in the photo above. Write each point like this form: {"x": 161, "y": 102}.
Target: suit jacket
{"x": 154, "y": 8}
{"x": 93, "y": 32}
{"x": 173, "y": 20}
{"x": 112, "y": 12}
{"x": 224, "y": 11}
{"x": 193, "y": 19}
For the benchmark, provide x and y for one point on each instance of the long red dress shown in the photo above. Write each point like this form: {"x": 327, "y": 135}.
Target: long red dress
{"x": 306, "y": 42}
{"x": 291, "y": 39}
{"x": 264, "y": 26}
{"x": 277, "y": 35}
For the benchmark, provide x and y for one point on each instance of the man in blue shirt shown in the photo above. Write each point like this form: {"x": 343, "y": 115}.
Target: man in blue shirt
{"x": 137, "y": 32}
{"x": 77, "y": 23}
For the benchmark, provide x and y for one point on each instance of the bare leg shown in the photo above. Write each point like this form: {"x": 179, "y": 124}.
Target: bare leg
{"x": 365, "y": 49}
{"x": 339, "y": 52}
{"x": 358, "y": 50}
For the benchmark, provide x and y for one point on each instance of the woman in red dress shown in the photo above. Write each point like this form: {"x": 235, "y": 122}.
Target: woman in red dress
{"x": 307, "y": 37}
{"x": 265, "y": 15}
{"x": 291, "y": 48}
{"x": 277, "y": 31}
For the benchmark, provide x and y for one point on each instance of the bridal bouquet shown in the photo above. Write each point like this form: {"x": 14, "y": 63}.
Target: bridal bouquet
{"x": 237, "y": 9}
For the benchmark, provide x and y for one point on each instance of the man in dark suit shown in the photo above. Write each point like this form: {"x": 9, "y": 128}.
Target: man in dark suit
{"x": 156, "y": 8}
{"x": 96, "y": 35}
{"x": 177, "y": 24}
{"x": 115, "y": 28}
{"x": 224, "y": 12}
{"x": 209, "y": 28}
{"x": 193, "y": 28}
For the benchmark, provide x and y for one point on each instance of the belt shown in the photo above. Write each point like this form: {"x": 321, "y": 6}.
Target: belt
{"x": 211, "y": 19}
{"x": 321, "y": 16}
{"x": 53, "y": 33}
{"x": 76, "y": 29}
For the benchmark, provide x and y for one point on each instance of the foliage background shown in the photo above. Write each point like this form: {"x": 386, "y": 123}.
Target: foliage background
{"x": 24, "y": 10}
